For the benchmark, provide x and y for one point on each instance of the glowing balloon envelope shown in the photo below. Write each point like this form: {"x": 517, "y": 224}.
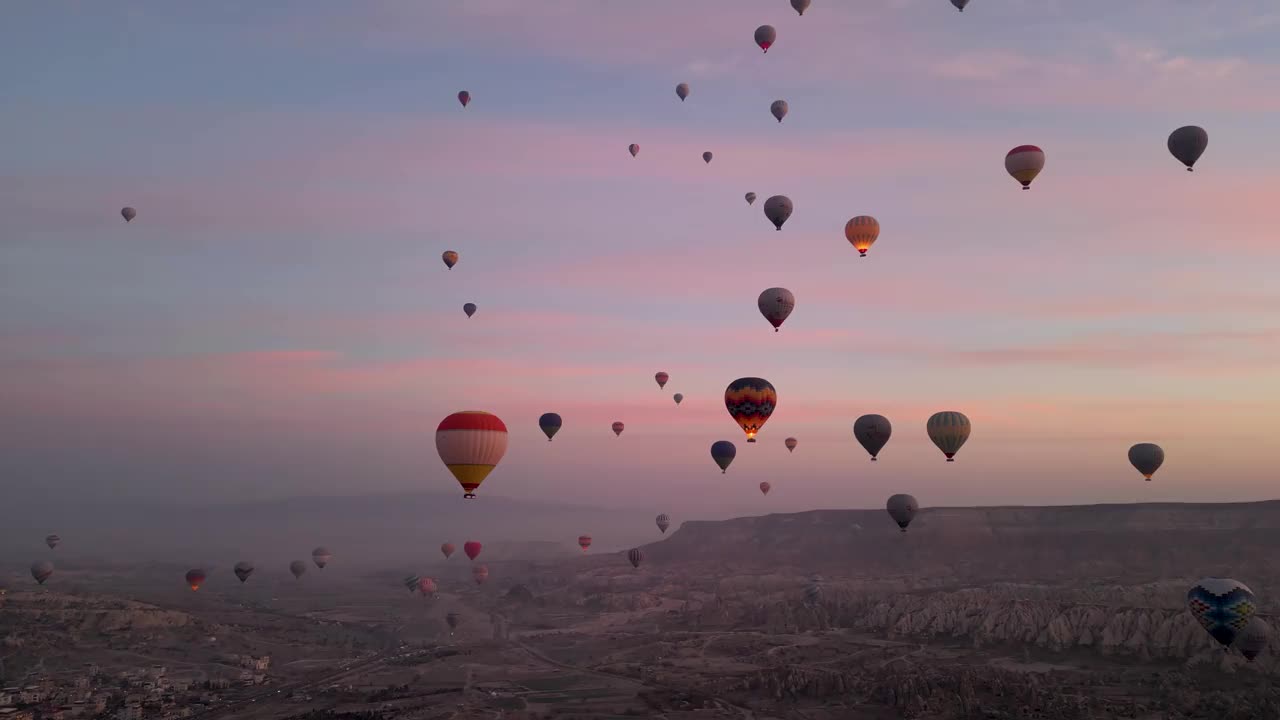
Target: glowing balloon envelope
{"x": 861, "y": 232}
{"x": 1024, "y": 163}
{"x": 765, "y": 37}
{"x": 471, "y": 443}
{"x": 1222, "y": 606}
{"x": 195, "y": 577}
{"x": 750, "y": 402}
{"x": 948, "y": 430}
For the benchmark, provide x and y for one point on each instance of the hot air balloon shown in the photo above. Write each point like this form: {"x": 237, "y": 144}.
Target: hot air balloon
{"x": 948, "y": 430}
{"x": 41, "y": 570}
{"x": 634, "y": 149}
{"x": 902, "y": 508}
{"x": 872, "y": 432}
{"x": 661, "y": 379}
{"x": 452, "y": 618}
{"x": 800, "y": 6}
{"x": 861, "y": 232}
{"x": 471, "y": 443}
{"x": 1024, "y": 163}
{"x": 472, "y": 549}
{"x": 682, "y": 91}
{"x": 677, "y": 397}
{"x": 618, "y": 428}
{"x": 779, "y": 109}
{"x": 52, "y": 541}
{"x": 663, "y": 522}
{"x": 298, "y": 568}
{"x": 750, "y": 401}
{"x": 706, "y": 157}
{"x": 1254, "y": 638}
{"x": 765, "y": 35}
{"x": 775, "y": 305}
{"x": 584, "y": 542}
{"x": 550, "y": 424}
{"x": 791, "y": 444}
{"x": 960, "y": 4}
{"x": 450, "y": 258}
{"x": 751, "y": 198}
{"x": 195, "y": 577}
{"x": 479, "y": 573}
{"x": 469, "y": 309}
{"x": 1223, "y": 606}
{"x": 412, "y": 582}
{"x": 635, "y": 556}
{"x": 243, "y": 570}
{"x": 778, "y": 208}
{"x": 1187, "y": 144}
{"x": 1146, "y": 458}
{"x": 321, "y": 556}
{"x": 464, "y": 97}
{"x": 723, "y": 452}
{"x": 128, "y": 214}
{"x": 427, "y": 586}
{"x": 447, "y": 549}
{"x": 765, "y": 488}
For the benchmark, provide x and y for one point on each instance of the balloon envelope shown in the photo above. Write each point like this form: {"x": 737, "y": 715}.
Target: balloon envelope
{"x": 453, "y": 619}
{"x": 948, "y": 430}
{"x": 471, "y": 443}
{"x": 778, "y": 208}
{"x": 243, "y": 570}
{"x": 635, "y": 556}
{"x": 464, "y": 97}
{"x": 550, "y": 424}
{"x": 765, "y": 37}
{"x": 800, "y": 5}
{"x": 195, "y": 577}
{"x": 1146, "y": 458}
{"x": 298, "y": 568}
{"x": 584, "y": 542}
{"x": 663, "y": 522}
{"x": 1222, "y": 606}
{"x": 765, "y": 488}
{"x": 775, "y": 305}
{"x": 682, "y": 91}
{"x": 902, "y": 508}
{"x": 1187, "y": 144}
{"x": 321, "y": 557}
{"x": 450, "y": 258}
{"x": 447, "y": 550}
{"x": 1024, "y": 163}
{"x": 779, "y": 109}
{"x": 52, "y": 541}
{"x": 872, "y": 432}
{"x": 480, "y": 573}
{"x": 791, "y": 444}
{"x": 427, "y": 586}
{"x": 751, "y": 198}
{"x": 661, "y": 378}
{"x": 634, "y": 149}
{"x": 750, "y": 402}
{"x": 618, "y": 428}
{"x": 472, "y": 549}
{"x": 1254, "y": 638}
{"x": 677, "y": 397}
{"x": 469, "y": 309}
{"x": 960, "y": 4}
{"x": 723, "y": 452}
{"x": 128, "y": 214}
{"x": 706, "y": 156}
{"x": 41, "y": 570}
{"x": 861, "y": 232}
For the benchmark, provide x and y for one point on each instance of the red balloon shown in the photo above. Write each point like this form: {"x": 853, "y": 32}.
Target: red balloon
{"x": 471, "y": 548}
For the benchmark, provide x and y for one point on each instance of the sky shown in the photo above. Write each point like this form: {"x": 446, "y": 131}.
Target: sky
{"x": 277, "y": 321}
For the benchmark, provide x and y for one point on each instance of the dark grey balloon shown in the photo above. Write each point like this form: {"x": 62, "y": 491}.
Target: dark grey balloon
{"x": 682, "y": 91}
{"x": 902, "y": 508}
{"x": 778, "y": 208}
{"x": 469, "y": 309}
{"x": 872, "y": 432}
{"x": 1187, "y": 143}
{"x": 960, "y": 4}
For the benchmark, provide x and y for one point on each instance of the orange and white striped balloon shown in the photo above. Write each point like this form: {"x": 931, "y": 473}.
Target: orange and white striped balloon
{"x": 861, "y": 232}
{"x": 471, "y": 443}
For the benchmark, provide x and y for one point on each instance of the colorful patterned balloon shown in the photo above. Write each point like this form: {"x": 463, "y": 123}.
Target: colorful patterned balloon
{"x": 471, "y": 443}
{"x": 948, "y": 430}
{"x": 1222, "y": 606}
{"x": 750, "y": 401}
